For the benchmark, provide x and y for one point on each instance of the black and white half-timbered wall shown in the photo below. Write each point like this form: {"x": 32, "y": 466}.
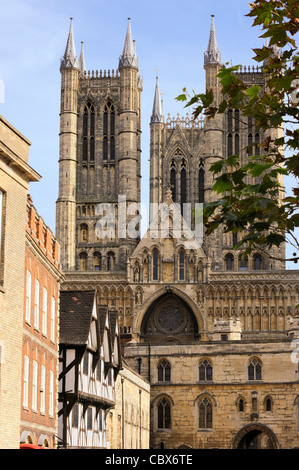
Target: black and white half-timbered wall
{"x": 89, "y": 362}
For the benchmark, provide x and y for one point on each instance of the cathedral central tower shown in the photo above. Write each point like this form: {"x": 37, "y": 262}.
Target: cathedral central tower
{"x": 99, "y": 160}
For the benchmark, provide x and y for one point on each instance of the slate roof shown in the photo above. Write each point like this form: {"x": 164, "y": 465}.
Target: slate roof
{"x": 75, "y": 316}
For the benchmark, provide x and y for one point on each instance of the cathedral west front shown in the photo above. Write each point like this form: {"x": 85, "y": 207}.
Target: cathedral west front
{"x": 213, "y": 333}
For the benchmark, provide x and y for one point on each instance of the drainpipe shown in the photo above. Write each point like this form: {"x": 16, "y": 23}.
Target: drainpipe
{"x": 123, "y": 415}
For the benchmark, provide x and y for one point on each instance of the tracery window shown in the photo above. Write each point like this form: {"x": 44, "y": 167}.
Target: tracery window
{"x": 205, "y": 371}
{"x": 155, "y": 265}
{"x": 109, "y": 132}
{"x": 183, "y": 184}
{"x": 254, "y": 370}
{"x": 181, "y": 265}
{"x": 173, "y": 180}
{"x": 164, "y": 371}
{"x": 205, "y": 414}
{"x": 164, "y": 414}
{"x": 88, "y": 132}
{"x": 201, "y": 182}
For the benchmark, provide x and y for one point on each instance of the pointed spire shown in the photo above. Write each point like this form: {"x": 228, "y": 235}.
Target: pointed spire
{"x": 70, "y": 58}
{"x": 128, "y": 57}
{"x": 212, "y": 55}
{"x": 82, "y": 64}
{"x": 157, "y": 114}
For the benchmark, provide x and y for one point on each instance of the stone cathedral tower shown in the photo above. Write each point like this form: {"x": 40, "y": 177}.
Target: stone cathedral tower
{"x": 99, "y": 159}
{"x": 210, "y": 331}
{"x": 183, "y": 150}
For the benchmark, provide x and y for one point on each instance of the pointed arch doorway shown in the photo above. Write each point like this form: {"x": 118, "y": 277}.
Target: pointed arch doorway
{"x": 255, "y": 436}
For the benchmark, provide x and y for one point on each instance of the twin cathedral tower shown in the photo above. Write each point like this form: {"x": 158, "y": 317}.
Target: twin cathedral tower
{"x": 183, "y": 306}
{"x": 100, "y": 156}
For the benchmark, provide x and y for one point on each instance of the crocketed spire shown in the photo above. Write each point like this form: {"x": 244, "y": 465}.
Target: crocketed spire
{"x": 128, "y": 57}
{"x": 70, "y": 58}
{"x": 157, "y": 114}
{"x": 82, "y": 64}
{"x": 212, "y": 55}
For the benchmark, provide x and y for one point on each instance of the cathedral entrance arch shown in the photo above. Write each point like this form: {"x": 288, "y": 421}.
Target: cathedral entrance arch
{"x": 255, "y": 436}
{"x": 169, "y": 318}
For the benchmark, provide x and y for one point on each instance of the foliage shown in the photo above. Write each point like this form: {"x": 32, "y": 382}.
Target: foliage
{"x": 251, "y": 198}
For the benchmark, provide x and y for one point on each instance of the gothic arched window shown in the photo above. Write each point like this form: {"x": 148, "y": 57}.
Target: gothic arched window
{"x": 155, "y": 265}
{"x": 268, "y": 404}
{"x": 164, "y": 371}
{"x": 257, "y": 262}
{"x": 255, "y": 370}
{"x": 181, "y": 265}
{"x": 229, "y": 145}
{"x": 229, "y": 262}
{"x": 97, "y": 261}
{"x": 83, "y": 233}
{"x": 183, "y": 184}
{"x": 237, "y": 145}
{"x": 201, "y": 182}
{"x": 243, "y": 263}
{"x": 249, "y": 144}
{"x": 237, "y": 120}
{"x": 205, "y": 371}
{"x": 110, "y": 260}
{"x": 83, "y": 261}
{"x": 88, "y": 132}
{"x": 257, "y": 142}
{"x": 241, "y": 404}
{"x": 205, "y": 414}
{"x": 163, "y": 414}
{"x": 235, "y": 238}
{"x": 173, "y": 180}
{"x": 109, "y": 132}
{"x": 229, "y": 120}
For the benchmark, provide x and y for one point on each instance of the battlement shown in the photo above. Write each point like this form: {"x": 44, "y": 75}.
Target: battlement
{"x": 185, "y": 122}
{"x": 42, "y": 234}
{"x": 101, "y": 74}
{"x": 250, "y": 69}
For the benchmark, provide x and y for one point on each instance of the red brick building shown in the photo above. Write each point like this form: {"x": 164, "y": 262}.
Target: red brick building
{"x": 40, "y": 334}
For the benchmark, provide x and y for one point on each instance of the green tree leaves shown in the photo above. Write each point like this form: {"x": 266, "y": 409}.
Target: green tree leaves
{"x": 249, "y": 197}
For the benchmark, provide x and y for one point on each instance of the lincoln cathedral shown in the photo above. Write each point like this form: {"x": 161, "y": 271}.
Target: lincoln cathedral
{"x": 212, "y": 332}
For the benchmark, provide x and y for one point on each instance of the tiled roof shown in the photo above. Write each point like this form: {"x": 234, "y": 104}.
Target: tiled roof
{"x": 75, "y": 316}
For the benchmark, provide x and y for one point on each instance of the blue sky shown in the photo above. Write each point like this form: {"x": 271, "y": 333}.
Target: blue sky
{"x": 171, "y": 36}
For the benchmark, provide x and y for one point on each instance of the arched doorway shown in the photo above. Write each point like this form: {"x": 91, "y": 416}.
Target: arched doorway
{"x": 255, "y": 436}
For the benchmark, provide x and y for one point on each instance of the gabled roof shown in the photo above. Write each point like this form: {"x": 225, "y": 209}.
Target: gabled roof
{"x": 168, "y": 222}
{"x": 76, "y": 309}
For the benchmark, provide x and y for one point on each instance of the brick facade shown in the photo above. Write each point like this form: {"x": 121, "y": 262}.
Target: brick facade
{"x": 15, "y": 175}
{"x": 40, "y": 333}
